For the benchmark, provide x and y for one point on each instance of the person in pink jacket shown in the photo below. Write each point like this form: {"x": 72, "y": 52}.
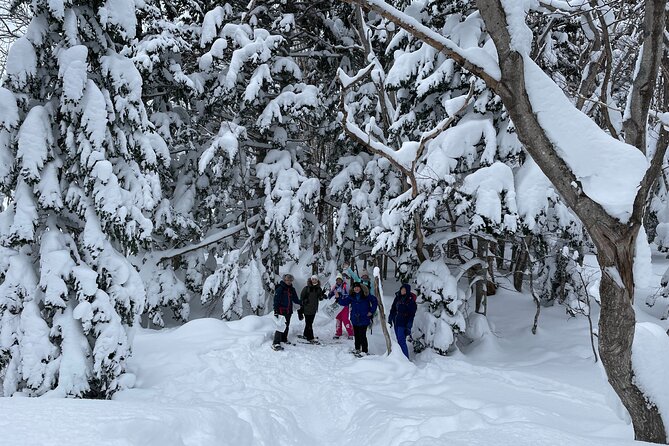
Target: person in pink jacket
{"x": 339, "y": 290}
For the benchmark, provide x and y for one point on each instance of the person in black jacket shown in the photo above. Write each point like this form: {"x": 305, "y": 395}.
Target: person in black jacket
{"x": 311, "y": 295}
{"x": 284, "y": 298}
{"x": 402, "y": 314}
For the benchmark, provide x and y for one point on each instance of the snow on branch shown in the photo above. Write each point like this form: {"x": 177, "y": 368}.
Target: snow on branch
{"x": 211, "y": 239}
{"x": 477, "y": 60}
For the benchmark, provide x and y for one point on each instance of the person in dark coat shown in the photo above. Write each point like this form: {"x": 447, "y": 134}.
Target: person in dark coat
{"x": 284, "y": 298}
{"x": 311, "y": 295}
{"x": 402, "y": 314}
{"x": 363, "y": 306}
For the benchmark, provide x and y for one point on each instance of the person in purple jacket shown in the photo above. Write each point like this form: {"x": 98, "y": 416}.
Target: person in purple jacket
{"x": 363, "y": 306}
{"x": 402, "y": 314}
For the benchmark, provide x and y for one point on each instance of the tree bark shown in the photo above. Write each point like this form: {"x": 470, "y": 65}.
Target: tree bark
{"x": 616, "y": 331}
{"x": 643, "y": 84}
{"x": 382, "y": 315}
{"x": 520, "y": 265}
{"x": 480, "y": 276}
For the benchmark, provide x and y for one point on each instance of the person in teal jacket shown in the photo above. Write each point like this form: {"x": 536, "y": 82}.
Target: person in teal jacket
{"x": 363, "y": 278}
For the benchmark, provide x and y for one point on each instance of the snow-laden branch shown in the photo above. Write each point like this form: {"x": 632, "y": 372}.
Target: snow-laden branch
{"x": 209, "y": 240}
{"x": 477, "y": 60}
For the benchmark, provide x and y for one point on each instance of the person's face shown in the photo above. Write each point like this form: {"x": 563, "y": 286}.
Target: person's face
{"x": 339, "y": 281}
{"x": 314, "y": 281}
{"x": 356, "y": 288}
{"x": 403, "y": 291}
{"x": 288, "y": 280}
{"x": 365, "y": 277}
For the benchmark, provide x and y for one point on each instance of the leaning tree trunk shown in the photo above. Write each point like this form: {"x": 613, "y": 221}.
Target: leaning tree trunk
{"x": 615, "y": 253}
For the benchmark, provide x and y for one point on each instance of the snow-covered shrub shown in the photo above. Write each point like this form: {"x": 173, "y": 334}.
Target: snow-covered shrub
{"x": 441, "y": 308}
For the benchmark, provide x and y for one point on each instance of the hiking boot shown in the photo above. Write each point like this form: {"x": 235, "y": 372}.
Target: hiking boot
{"x": 276, "y": 347}
{"x": 336, "y": 337}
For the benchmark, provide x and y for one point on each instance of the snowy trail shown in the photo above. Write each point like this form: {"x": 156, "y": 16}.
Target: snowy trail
{"x": 211, "y": 383}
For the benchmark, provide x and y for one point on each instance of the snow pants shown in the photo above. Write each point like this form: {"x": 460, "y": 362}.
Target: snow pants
{"x": 360, "y": 337}
{"x": 402, "y": 333}
{"x": 343, "y": 318}
{"x": 309, "y": 326}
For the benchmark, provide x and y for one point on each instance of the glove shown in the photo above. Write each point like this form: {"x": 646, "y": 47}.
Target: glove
{"x": 300, "y": 314}
{"x": 391, "y": 324}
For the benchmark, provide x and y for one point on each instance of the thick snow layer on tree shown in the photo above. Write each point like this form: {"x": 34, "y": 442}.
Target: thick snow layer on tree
{"x": 650, "y": 360}
{"x": 476, "y": 55}
{"x": 521, "y": 36}
{"x": 608, "y": 170}
{"x": 533, "y": 190}
{"x": 494, "y": 193}
{"x": 21, "y": 61}
{"x": 35, "y": 139}
{"x": 73, "y": 71}
{"x": 122, "y": 14}
{"x": 9, "y": 111}
{"x": 209, "y": 383}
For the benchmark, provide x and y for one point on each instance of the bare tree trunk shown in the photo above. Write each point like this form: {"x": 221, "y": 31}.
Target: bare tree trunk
{"x": 643, "y": 84}
{"x": 520, "y": 265}
{"x": 382, "y": 315}
{"x": 480, "y": 275}
{"x": 616, "y": 332}
{"x": 500, "y": 251}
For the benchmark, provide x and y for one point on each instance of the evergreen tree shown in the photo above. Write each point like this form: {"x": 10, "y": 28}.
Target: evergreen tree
{"x": 81, "y": 167}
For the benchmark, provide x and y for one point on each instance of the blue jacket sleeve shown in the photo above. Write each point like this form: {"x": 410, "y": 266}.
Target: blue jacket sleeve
{"x": 277, "y": 298}
{"x": 374, "y": 303}
{"x": 344, "y": 300}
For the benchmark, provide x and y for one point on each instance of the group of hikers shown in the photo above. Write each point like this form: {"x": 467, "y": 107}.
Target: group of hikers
{"x": 358, "y": 307}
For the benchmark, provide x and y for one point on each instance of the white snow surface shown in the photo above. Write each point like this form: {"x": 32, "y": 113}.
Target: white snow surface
{"x": 219, "y": 383}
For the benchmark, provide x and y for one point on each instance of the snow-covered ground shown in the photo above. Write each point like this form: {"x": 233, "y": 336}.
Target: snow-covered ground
{"x": 215, "y": 383}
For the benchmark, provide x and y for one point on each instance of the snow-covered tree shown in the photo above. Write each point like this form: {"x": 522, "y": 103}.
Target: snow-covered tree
{"x": 80, "y": 167}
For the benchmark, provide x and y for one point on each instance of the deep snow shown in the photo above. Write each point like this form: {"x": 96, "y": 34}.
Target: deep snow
{"x": 216, "y": 383}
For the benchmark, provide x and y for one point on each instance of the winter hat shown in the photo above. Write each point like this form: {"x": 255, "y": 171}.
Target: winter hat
{"x": 355, "y": 284}
{"x": 314, "y": 277}
{"x": 339, "y": 276}
{"x": 407, "y": 287}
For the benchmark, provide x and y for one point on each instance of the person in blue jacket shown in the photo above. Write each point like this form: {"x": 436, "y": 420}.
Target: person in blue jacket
{"x": 363, "y": 306}
{"x": 402, "y": 314}
{"x": 284, "y": 298}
